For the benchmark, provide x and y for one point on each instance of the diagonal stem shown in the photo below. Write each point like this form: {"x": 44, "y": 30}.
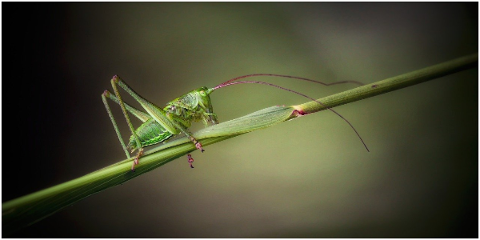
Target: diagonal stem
{"x": 393, "y": 83}
{"x": 27, "y": 210}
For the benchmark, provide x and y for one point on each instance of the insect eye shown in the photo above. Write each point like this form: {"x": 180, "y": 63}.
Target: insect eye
{"x": 202, "y": 93}
{"x": 172, "y": 108}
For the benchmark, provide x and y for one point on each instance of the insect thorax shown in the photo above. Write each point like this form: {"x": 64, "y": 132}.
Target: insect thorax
{"x": 193, "y": 106}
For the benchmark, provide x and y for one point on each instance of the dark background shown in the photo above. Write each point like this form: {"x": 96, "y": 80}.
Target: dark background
{"x": 305, "y": 178}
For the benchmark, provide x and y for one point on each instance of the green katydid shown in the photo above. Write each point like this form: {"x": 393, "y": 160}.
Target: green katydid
{"x": 161, "y": 124}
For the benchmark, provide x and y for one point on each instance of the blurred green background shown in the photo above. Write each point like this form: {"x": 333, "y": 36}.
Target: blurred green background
{"x": 305, "y": 178}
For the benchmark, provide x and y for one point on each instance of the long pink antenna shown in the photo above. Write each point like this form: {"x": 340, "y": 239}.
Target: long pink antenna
{"x": 287, "y": 76}
{"x": 233, "y": 82}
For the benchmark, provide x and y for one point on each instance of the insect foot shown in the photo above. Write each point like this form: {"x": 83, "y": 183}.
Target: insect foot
{"x": 135, "y": 162}
{"x": 198, "y": 145}
{"x": 190, "y": 160}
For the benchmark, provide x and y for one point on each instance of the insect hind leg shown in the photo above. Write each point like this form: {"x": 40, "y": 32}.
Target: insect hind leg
{"x": 115, "y": 126}
{"x": 125, "y": 107}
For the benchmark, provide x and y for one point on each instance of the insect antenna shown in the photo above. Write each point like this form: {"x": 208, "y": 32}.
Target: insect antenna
{"x": 287, "y": 76}
{"x": 234, "y": 81}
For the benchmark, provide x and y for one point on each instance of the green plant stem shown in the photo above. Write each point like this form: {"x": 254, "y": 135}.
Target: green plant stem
{"x": 393, "y": 83}
{"x": 31, "y": 208}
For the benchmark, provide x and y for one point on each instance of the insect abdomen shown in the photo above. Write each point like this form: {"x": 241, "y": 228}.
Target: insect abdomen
{"x": 149, "y": 133}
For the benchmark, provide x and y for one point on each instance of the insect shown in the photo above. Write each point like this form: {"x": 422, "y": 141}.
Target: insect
{"x": 160, "y": 124}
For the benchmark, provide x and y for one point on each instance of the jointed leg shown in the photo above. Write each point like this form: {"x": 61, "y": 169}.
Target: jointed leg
{"x": 175, "y": 122}
{"x": 122, "y": 105}
{"x": 109, "y": 111}
{"x": 190, "y": 160}
{"x": 135, "y": 162}
{"x": 139, "y": 114}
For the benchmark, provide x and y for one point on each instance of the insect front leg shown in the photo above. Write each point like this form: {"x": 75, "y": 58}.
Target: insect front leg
{"x": 179, "y": 123}
{"x": 190, "y": 160}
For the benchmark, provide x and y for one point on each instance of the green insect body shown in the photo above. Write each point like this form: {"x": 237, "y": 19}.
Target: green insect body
{"x": 177, "y": 116}
{"x": 191, "y": 107}
{"x": 149, "y": 133}
{"x": 160, "y": 124}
